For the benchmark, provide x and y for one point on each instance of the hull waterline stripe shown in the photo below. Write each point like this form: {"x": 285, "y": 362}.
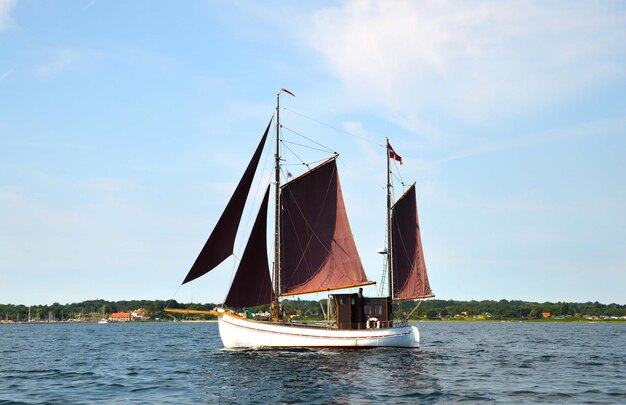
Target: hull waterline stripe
{"x": 314, "y": 336}
{"x": 321, "y": 347}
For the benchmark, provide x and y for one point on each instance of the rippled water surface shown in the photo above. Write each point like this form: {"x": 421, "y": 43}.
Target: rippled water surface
{"x": 185, "y": 363}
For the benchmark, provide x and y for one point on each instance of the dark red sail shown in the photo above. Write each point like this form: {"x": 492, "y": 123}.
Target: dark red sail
{"x": 410, "y": 280}
{"x": 317, "y": 249}
{"x": 252, "y": 284}
{"x": 220, "y": 244}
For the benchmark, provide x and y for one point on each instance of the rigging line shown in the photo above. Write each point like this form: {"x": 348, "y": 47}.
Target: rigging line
{"x": 294, "y": 153}
{"x": 388, "y": 248}
{"x": 395, "y": 163}
{"x": 297, "y": 237}
{"x": 286, "y": 174}
{"x": 309, "y": 225}
{"x": 167, "y": 304}
{"x": 393, "y": 192}
{"x": 401, "y": 182}
{"x": 284, "y": 148}
{"x": 233, "y": 274}
{"x": 383, "y": 280}
{"x": 333, "y": 127}
{"x": 306, "y": 146}
{"x": 310, "y": 163}
{"x": 308, "y": 139}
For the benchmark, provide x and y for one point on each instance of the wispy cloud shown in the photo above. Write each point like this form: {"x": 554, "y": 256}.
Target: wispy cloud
{"x": 11, "y": 196}
{"x": 58, "y": 61}
{"x": 611, "y": 127}
{"x": 7, "y": 73}
{"x": 88, "y": 5}
{"x": 5, "y": 9}
{"x": 470, "y": 59}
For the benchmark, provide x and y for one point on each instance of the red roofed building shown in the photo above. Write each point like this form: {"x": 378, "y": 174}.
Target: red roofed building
{"x": 120, "y": 316}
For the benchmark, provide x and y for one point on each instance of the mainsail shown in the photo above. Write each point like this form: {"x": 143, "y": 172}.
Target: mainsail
{"x": 222, "y": 240}
{"x": 252, "y": 284}
{"x": 318, "y": 252}
{"x": 410, "y": 280}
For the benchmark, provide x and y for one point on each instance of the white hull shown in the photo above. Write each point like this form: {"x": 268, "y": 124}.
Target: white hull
{"x": 238, "y": 332}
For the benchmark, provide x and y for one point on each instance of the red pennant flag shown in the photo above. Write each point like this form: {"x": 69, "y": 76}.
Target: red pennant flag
{"x": 288, "y": 92}
{"x": 393, "y": 154}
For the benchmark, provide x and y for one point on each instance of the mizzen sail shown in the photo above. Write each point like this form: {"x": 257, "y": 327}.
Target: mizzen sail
{"x": 410, "y": 280}
{"x": 252, "y": 284}
{"x": 222, "y": 240}
{"x": 318, "y": 252}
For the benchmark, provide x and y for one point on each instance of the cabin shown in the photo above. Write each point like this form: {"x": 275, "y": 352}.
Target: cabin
{"x": 354, "y": 311}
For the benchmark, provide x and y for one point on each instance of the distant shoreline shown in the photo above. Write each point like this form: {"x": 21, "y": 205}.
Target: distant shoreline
{"x": 546, "y": 320}
{"x": 110, "y": 322}
{"x": 410, "y": 321}
{"x": 428, "y": 310}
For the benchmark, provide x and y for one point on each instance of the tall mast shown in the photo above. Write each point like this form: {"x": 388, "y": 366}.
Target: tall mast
{"x": 275, "y": 303}
{"x": 389, "y": 273}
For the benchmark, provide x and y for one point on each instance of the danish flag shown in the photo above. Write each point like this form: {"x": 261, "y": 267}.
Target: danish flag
{"x": 393, "y": 154}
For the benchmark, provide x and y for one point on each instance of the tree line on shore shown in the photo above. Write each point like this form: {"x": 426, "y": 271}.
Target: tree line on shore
{"x": 433, "y": 309}
{"x": 502, "y": 309}
{"x": 515, "y": 309}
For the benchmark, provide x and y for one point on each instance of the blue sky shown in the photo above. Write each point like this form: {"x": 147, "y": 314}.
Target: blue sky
{"x": 126, "y": 125}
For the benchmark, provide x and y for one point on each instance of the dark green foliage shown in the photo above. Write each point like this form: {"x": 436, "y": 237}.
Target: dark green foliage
{"x": 504, "y": 309}
{"x": 432, "y": 309}
{"x": 90, "y": 309}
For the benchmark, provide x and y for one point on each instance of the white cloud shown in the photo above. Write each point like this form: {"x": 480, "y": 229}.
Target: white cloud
{"x": 5, "y": 10}
{"x": 466, "y": 58}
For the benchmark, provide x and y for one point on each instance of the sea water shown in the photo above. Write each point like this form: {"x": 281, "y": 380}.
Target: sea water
{"x": 184, "y": 363}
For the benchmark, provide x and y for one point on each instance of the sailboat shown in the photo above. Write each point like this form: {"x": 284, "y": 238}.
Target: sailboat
{"x": 104, "y": 317}
{"x": 314, "y": 252}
